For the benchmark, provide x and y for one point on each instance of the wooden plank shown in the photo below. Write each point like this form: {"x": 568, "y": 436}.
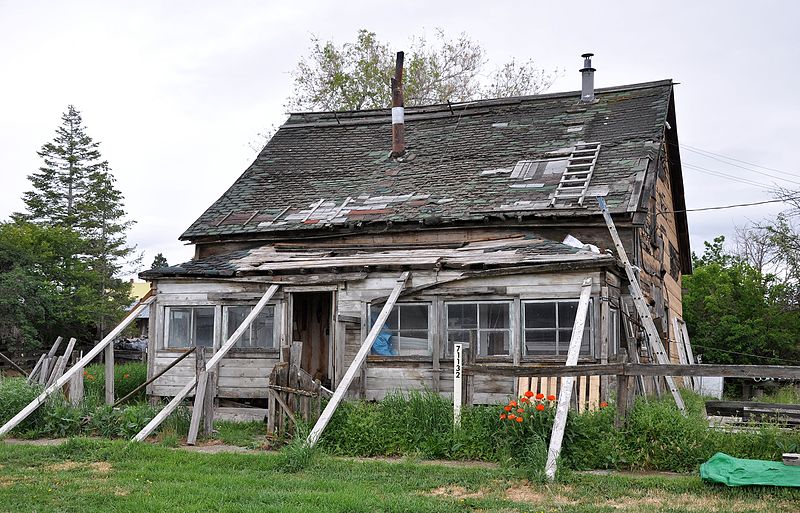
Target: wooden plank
{"x": 605, "y": 339}
{"x": 58, "y": 362}
{"x": 341, "y": 390}
{"x": 36, "y": 369}
{"x": 54, "y": 349}
{"x": 582, "y": 393}
{"x": 567, "y": 383}
{"x": 61, "y": 365}
{"x": 594, "y": 392}
{"x": 642, "y": 369}
{"x": 109, "y": 374}
{"x": 197, "y": 408}
{"x": 31, "y": 407}
{"x": 639, "y": 303}
{"x": 13, "y": 364}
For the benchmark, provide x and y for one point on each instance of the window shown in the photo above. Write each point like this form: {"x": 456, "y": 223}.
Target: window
{"x": 487, "y": 324}
{"x": 548, "y": 327}
{"x": 190, "y": 326}
{"x": 260, "y": 334}
{"x": 405, "y": 332}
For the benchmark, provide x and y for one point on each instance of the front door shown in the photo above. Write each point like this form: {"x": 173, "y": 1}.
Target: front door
{"x": 311, "y": 325}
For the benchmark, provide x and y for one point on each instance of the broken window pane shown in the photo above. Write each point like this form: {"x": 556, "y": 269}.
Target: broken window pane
{"x": 405, "y": 333}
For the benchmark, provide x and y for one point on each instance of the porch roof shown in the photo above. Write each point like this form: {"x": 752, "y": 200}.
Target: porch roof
{"x": 514, "y": 252}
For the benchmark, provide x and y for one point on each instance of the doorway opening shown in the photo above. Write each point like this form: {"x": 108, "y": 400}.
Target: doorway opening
{"x": 311, "y": 325}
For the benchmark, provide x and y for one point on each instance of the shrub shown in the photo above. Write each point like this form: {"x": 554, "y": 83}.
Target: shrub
{"x": 15, "y": 394}
{"x": 127, "y": 377}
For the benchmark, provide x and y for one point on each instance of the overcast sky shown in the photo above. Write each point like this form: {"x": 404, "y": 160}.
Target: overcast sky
{"x": 175, "y": 91}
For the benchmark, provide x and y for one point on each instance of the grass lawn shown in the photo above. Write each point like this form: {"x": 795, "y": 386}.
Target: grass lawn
{"x": 90, "y": 475}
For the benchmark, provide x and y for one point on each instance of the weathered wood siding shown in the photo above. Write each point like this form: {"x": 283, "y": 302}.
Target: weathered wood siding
{"x": 241, "y": 374}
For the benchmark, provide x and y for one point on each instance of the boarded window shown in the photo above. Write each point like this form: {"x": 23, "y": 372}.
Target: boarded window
{"x": 189, "y": 327}
{"x": 485, "y": 325}
{"x": 533, "y": 169}
{"x": 260, "y": 334}
{"x": 405, "y": 332}
{"x": 548, "y": 327}
{"x": 674, "y": 263}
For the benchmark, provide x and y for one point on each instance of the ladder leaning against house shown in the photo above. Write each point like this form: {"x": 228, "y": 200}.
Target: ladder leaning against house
{"x": 575, "y": 181}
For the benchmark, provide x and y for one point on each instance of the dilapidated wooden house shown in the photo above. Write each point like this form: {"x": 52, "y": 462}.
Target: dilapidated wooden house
{"x": 485, "y": 207}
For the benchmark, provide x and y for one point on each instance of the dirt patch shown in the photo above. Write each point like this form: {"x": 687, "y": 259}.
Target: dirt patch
{"x": 527, "y": 494}
{"x": 455, "y": 492}
{"x": 7, "y": 482}
{"x": 220, "y": 448}
{"x": 121, "y": 492}
{"x": 103, "y": 467}
{"x": 60, "y": 467}
{"x": 444, "y": 463}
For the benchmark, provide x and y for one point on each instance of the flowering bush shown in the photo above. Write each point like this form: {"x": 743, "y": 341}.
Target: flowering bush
{"x": 529, "y": 406}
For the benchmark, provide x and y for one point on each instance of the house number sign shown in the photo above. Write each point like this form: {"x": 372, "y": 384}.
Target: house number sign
{"x": 458, "y": 373}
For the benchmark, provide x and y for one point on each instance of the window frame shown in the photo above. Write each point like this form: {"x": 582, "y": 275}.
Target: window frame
{"x": 510, "y": 330}
{"x": 557, "y": 328}
{"x": 275, "y": 328}
{"x": 429, "y": 307}
{"x": 192, "y": 343}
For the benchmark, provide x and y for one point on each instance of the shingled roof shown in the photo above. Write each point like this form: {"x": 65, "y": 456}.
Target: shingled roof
{"x": 466, "y": 162}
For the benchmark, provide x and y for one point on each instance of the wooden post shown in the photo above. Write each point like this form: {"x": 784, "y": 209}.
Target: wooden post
{"x": 458, "y": 373}
{"x": 109, "y": 363}
{"x": 605, "y": 338}
{"x": 398, "y": 113}
{"x": 76, "y": 390}
{"x": 30, "y": 408}
{"x": 199, "y": 395}
{"x": 568, "y": 382}
{"x": 341, "y": 390}
{"x": 622, "y": 400}
{"x": 208, "y": 403}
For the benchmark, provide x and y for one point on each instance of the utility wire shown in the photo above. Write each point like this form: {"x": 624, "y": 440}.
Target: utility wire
{"x": 737, "y": 205}
{"x": 701, "y": 151}
{"x": 720, "y": 174}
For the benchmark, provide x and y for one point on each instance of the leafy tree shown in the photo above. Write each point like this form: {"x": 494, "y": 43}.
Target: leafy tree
{"x": 45, "y": 289}
{"x": 159, "y": 261}
{"x": 75, "y": 189}
{"x": 356, "y": 75}
{"x": 736, "y": 313}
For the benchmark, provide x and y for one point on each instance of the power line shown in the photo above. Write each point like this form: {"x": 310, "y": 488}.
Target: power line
{"x": 737, "y": 205}
{"x": 747, "y": 168}
{"x": 720, "y": 174}
{"x": 701, "y": 151}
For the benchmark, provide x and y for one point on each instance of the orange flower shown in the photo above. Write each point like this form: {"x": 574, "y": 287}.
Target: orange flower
{"x": 540, "y": 407}
{"x": 604, "y": 404}
{"x": 520, "y": 410}
{"x": 511, "y": 416}
{"x": 551, "y": 398}
{"x": 126, "y": 376}
{"x": 540, "y": 396}
{"x": 507, "y": 408}
{"x": 519, "y": 419}
{"x": 513, "y": 404}
{"x": 528, "y": 394}
{"x": 502, "y": 416}
{"x": 85, "y": 373}
{"x": 524, "y": 400}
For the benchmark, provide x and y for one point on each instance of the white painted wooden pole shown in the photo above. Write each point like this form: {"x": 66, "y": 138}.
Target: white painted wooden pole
{"x": 170, "y": 407}
{"x": 458, "y": 375}
{"x": 341, "y": 390}
{"x": 30, "y": 408}
{"x": 565, "y": 395}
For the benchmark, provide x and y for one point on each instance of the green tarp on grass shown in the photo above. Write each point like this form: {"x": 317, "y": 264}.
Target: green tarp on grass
{"x": 731, "y": 471}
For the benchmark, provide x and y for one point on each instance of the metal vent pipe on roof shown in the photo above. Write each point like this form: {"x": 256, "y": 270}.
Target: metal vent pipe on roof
{"x": 587, "y": 79}
{"x": 398, "y": 111}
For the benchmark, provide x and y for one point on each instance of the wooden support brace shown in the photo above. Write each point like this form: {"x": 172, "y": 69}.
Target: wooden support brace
{"x": 359, "y": 359}
{"x": 13, "y": 364}
{"x": 109, "y": 373}
{"x": 568, "y": 382}
{"x": 31, "y": 407}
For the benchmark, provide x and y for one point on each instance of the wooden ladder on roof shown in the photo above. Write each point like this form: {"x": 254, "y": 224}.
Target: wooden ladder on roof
{"x": 641, "y": 307}
{"x": 575, "y": 180}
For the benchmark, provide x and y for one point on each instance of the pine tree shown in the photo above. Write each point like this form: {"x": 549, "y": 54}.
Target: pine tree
{"x": 60, "y": 185}
{"x": 159, "y": 261}
{"x": 75, "y": 189}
